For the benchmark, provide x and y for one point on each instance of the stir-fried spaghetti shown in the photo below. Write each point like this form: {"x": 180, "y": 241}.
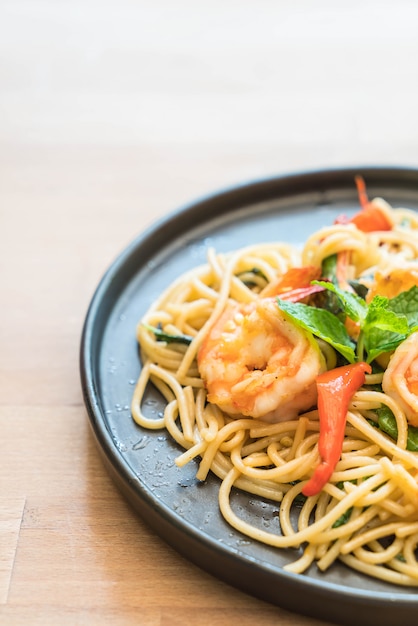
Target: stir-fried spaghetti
{"x": 293, "y": 374}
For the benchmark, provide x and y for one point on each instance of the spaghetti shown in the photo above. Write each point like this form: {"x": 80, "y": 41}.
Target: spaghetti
{"x": 197, "y": 341}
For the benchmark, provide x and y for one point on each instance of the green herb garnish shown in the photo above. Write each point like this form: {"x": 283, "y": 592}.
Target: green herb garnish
{"x": 160, "y": 335}
{"x": 383, "y": 323}
{"x": 387, "y": 423}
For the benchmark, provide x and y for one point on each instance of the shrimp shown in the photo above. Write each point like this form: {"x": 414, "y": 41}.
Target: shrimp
{"x": 256, "y": 362}
{"x": 400, "y": 380}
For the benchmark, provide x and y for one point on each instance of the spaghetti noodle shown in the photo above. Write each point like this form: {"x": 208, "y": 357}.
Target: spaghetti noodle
{"x": 196, "y": 344}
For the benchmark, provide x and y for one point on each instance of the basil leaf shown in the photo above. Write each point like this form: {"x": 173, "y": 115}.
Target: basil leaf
{"x": 322, "y": 324}
{"x": 327, "y": 299}
{"x": 384, "y": 323}
{"x": 387, "y": 423}
{"x": 354, "y": 306}
{"x": 383, "y": 329}
{"x": 247, "y": 277}
{"x": 406, "y": 303}
{"x": 329, "y": 268}
{"x": 343, "y": 519}
{"x": 160, "y": 335}
{"x": 360, "y": 289}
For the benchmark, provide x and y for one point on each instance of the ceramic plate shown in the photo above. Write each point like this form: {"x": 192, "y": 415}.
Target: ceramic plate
{"x": 181, "y": 510}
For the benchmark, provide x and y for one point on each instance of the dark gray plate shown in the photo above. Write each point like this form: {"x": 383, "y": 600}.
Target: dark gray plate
{"x": 180, "y": 510}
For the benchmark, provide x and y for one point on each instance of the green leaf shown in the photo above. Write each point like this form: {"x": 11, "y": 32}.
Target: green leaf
{"x": 327, "y": 299}
{"x": 354, "y": 306}
{"x": 329, "y": 268}
{"x": 387, "y": 423}
{"x": 384, "y": 323}
{"x": 322, "y": 324}
{"x": 406, "y": 303}
{"x": 380, "y": 315}
{"x": 249, "y": 277}
{"x": 360, "y": 289}
{"x": 343, "y": 519}
{"x": 383, "y": 329}
{"x": 160, "y": 335}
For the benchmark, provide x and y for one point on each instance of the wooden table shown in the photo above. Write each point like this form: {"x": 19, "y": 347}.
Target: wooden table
{"x": 113, "y": 114}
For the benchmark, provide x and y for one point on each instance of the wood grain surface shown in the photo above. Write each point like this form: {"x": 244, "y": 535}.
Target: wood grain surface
{"x": 113, "y": 114}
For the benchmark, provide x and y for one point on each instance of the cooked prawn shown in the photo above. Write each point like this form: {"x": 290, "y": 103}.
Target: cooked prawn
{"x": 400, "y": 380}
{"x": 256, "y": 362}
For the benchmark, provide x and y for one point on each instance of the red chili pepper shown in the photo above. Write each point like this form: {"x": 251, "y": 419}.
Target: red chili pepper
{"x": 335, "y": 390}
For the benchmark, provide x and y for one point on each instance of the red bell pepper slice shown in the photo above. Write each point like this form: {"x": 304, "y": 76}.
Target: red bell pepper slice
{"x": 371, "y": 218}
{"x": 295, "y": 284}
{"x": 335, "y": 387}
